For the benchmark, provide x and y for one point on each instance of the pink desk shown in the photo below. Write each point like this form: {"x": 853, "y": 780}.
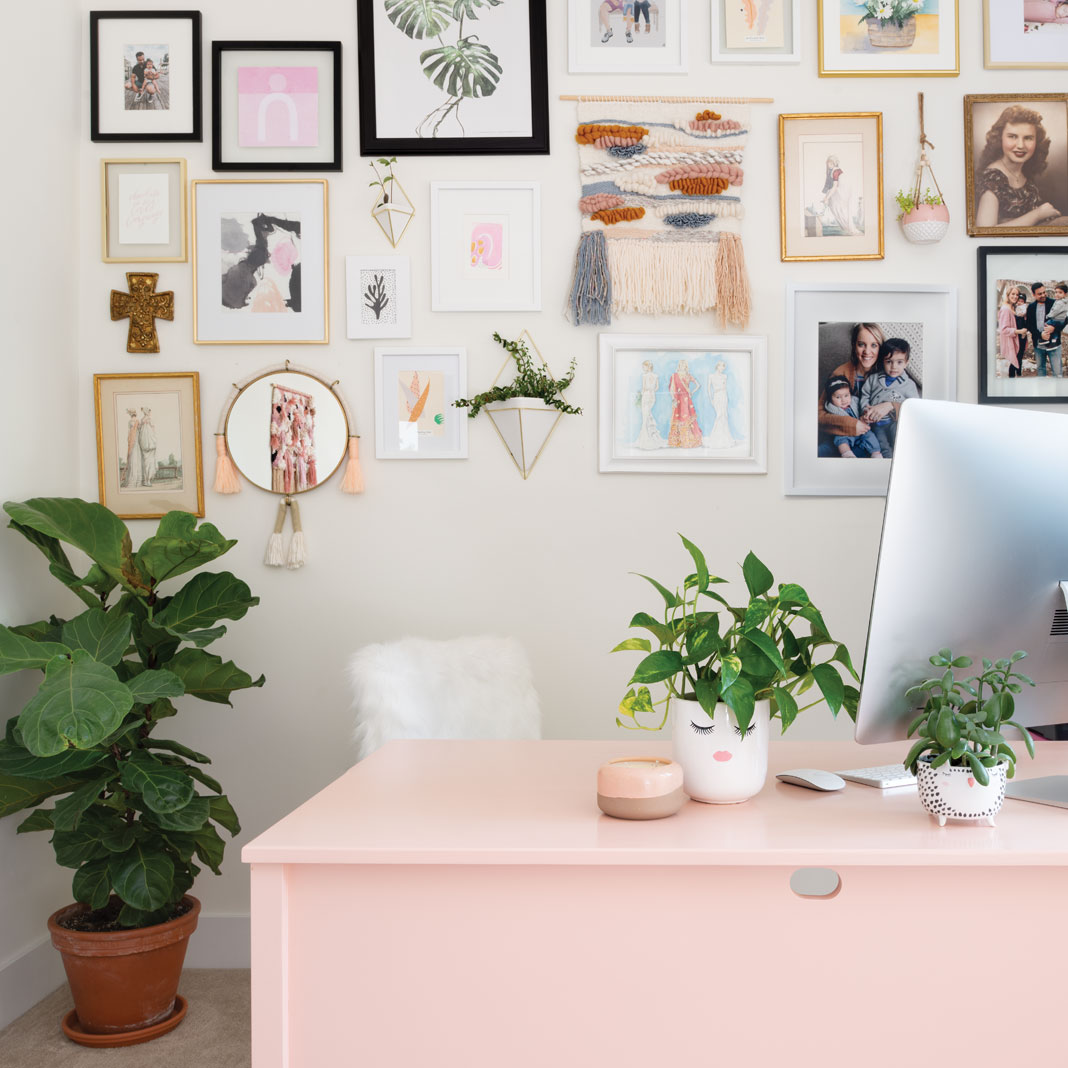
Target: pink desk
{"x": 466, "y": 905}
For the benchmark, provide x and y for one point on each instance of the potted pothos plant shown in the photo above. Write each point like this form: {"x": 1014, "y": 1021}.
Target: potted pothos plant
{"x": 961, "y": 759}
{"x": 924, "y": 217}
{"x": 728, "y": 670}
{"x": 135, "y": 814}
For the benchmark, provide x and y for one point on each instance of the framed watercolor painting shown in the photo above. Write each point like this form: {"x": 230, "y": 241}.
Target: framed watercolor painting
{"x": 888, "y": 38}
{"x": 485, "y": 246}
{"x": 683, "y": 403}
{"x": 260, "y": 262}
{"x": 378, "y": 291}
{"x": 1023, "y": 346}
{"x": 144, "y": 76}
{"x": 148, "y": 444}
{"x": 767, "y": 31}
{"x": 433, "y": 81}
{"x": 143, "y": 210}
{"x": 857, "y": 353}
{"x": 644, "y": 37}
{"x": 1025, "y": 34}
{"x": 276, "y": 105}
{"x": 831, "y": 186}
{"x": 1016, "y": 164}
{"x": 414, "y": 414}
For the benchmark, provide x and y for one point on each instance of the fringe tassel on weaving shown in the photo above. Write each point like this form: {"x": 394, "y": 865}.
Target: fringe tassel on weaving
{"x": 591, "y": 287}
{"x": 275, "y": 555}
{"x": 352, "y": 482}
{"x": 226, "y": 480}
{"x": 662, "y": 277}
{"x": 732, "y": 281}
{"x": 296, "y": 556}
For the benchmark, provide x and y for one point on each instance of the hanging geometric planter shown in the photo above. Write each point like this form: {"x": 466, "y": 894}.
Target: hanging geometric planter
{"x": 393, "y": 211}
{"x": 524, "y": 425}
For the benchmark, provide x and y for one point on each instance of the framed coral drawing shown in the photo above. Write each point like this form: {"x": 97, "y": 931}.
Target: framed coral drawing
{"x": 378, "y": 296}
{"x": 756, "y": 31}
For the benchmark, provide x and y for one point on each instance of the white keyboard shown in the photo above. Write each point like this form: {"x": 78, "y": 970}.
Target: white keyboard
{"x": 885, "y": 777}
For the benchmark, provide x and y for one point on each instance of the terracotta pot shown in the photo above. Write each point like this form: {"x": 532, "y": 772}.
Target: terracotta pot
{"x": 123, "y": 981}
{"x": 926, "y": 223}
{"x": 889, "y": 35}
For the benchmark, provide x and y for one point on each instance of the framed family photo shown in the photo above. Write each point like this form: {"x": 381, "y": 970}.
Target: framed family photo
{"x": 143, "y": 210}
{"x": 888, "y": 38}
{"x": 683, "y": 403}
{"x": 144, "y": 76}
{"x": 260, "y": 262}
{"x": 625, "y": 37}
{"x": 148, "y": 443}
{"x": 378, "y": 292}
{"x": 445, "y": 79}
{"x": 276, "y": 105}
{"x": 858, "y": 353}
{"x": 1016, "y": 164}
{"x": 1023, "y": 308}
{"x": 1025, "y": 34}
{"x": 767, "y": 32}
{"x": 831, "y": 186}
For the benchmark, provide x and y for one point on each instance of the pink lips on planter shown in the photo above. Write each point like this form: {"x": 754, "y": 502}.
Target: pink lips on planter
{"x": 721, "y": 754}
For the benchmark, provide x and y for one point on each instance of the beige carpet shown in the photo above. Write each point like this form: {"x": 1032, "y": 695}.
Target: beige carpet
{"x": 215, "y": 1033}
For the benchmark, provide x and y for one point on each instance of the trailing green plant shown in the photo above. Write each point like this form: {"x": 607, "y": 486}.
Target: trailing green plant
{"x": 382, "y": 181}
{"x": 908, "y": 200}
{"x": 735, "y": 654}
{"x": 961, "y": 721}
{"x": 529, "y": 381}
{"x": 130, "y": 818}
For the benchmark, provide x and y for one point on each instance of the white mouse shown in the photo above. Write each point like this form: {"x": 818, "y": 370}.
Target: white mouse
{"x": 812, "y": 778}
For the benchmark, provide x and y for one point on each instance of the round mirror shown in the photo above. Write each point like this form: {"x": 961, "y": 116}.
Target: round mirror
{"x": 287, "y": 432}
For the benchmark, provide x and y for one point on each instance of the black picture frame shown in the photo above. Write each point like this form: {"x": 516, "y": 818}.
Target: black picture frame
{"x": 998, "y": 267}
{"x": 98, "y": 130}
{"x": 373, "y": 143}
{"x": 218, "y": 119}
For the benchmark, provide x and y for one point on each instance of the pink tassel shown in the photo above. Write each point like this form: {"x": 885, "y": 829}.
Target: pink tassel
{"x": 352, "y": 482}
{"x": 226, "y": 480}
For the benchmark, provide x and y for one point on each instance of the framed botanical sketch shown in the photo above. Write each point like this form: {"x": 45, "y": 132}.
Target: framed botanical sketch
{"x": 414, "y": 414}
{"x": 143, "y": 210}
{"x": 858, "y": 352}
{"x": 683, "y": 403}
{"x": 148, "y": 443}
{"x": 276, "y": 105}
{"x": 888, "y": 38}
{"x": 1025, "y": 34}
{"x": 1023, "y": 308}
{"x": 756, "y": 32}
{"x": 831, "y": 186}
{"x": 612, "y": 37}
{"x": 260, "y": 262}
{"x": 1016, "y": 164}
{"x": 144, "y": 76}
{"x": 378, "y": 293}
{"x": 485, "y": 246}
{"x": 433, "y": 81}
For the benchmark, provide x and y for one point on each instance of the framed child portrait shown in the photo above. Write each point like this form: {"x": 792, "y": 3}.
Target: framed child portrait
{"x": 623, "y": 37}
{"x": 1025, "y": 34}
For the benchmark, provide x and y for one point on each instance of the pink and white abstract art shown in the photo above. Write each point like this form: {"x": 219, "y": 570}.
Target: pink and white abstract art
{"x": 487, "y": 245}
{"x": 277, "y": 107}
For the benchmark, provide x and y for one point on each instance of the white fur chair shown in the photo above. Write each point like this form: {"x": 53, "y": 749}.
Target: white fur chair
{"x": 461, "y": 688}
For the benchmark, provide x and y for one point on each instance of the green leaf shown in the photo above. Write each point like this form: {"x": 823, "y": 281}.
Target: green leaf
{"x": 766, "y": 644}
{"x": 702, "y": 642}
{"x": 419, "y": 19}
{"x": 152, "y": 686}
{"x": 812, "y": 615}
{"x": 58, "y": 563}
{"x": 982, "y": 776}
{"x": 658, "y": 666}
{"x": 74, "y": 848}
{"x": 758, "y": 579}
{"x": 201, "y": 638}
{"x": 202, "y": 777}
{"x": 142, "y": 877}
{"x": 176, "y": 747}
{"x": 792, "y": 594}
{"x": 179, "y": 546}
{"x": 998, "y": 707}
{"x": 632, "y": 704}
{"x": 222, "y": 812}
{"x": 670, "y": 600}
{"x": 641, "y": 644}
{"x": 92, "y": 885}
{"x": 18, "y": 653}
{"x": 946, "y": 729}
{"x": 190, "y": 817}
{"x": 916, "y": 752}
{"x": 731, "y": 668}
{"x": 45, "y": 630}
{"x": 68, "y": 812}
{"x": 851, "y": 702}
{"x": 708, "y": 695}
{"x": 116, "y": 835}
{"x": 786, "y": 706}
{"x": 841, "y": 654}
{"x": 467, "y": 8}
{"x": 466, "y": 69}
{"x": 831, "y": 686}
{"x": 1026, "y": 736}
{"x": 164, "y": 788}
{"x": 941, "y": 759}
{"x": 210, "y": 847}
{"x": 740, "y": 699}
{"x": 19, "y": 762}
{"x": 206, "y": 676}
{"x": 17, "y": 793}
{"x": 756, "y": 613}
{"x": 203, "y": 601}
{"x": 38, "y": 820}
{"x": 699, "y": 563}
{"x": 661, "y": 631}
{"x": 105, "y": 636}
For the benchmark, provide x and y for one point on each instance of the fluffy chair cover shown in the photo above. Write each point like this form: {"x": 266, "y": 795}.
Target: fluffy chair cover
{"x": 462, "y": 688}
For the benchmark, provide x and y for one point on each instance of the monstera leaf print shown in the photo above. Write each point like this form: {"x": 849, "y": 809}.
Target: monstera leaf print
{"x": 465, "y": 69}
{"x": 421, "y": 18}
{"x": 468, "y": 8}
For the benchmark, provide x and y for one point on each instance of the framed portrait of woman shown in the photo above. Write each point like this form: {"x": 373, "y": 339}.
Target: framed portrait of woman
{"x": 1016, "y": 164}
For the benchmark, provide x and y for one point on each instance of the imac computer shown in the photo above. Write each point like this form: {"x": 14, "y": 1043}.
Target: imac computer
{"x": 973, "y": 552}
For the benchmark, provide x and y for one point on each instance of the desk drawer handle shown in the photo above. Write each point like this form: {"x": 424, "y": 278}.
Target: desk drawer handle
{"x": 819, "y": 883}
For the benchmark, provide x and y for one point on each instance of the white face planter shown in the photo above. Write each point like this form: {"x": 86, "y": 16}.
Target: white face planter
{"x": 720, "y": 765}
{"x": 954, "y": 793}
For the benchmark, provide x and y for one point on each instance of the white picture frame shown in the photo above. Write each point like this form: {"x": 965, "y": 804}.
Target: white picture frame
{"x": 504, "y": 272}
{"x": 643, "y": 429}
{"x": 409, "y": 439}
{"x": 143, "y": 211}
{"x": 927, "y": 314}
{"x": 370, "y": 281}
{"x": 785, "y": 16}
{"x": 657, "y": 44}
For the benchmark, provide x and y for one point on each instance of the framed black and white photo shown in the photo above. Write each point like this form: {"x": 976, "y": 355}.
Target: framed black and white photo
{"x": 145, "y": 76}
{"x": 378, "y": 292}
{"x": 143, "y": 210}
{"x": 414, "y": 414}
{"x": 445, "y": 79}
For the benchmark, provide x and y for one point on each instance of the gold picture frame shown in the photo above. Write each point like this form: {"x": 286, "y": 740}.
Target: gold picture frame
{"x": 1006, "y": 35}
{"x": 135, "y": 211}
{"x": 148, "y": 451}
{"x": 831, "y": 186}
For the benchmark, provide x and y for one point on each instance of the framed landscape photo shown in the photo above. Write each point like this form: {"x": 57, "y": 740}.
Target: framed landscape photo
{"x": 888, "y": 38}
{"x": 613, "y": 37}
{"x": 144, "y": 76}
{"x": 831, "y": 186}
{"x": 857, "y": 353}
{"x": 143, "y": 210}
{"x": 148, "y": 443}
{"x": 756, "y": 32}
{"x": 276, "y": 105}
{"x": 1023, "y": 346}
{"x": 260, "y": 271}
{"x": 414, "y": 414}
{"x": 446, "y": 79}
{"x": 378, "y": 292}
{"x": 683, "y": 403}
{"x": 1016, "y": 164}
{"x": 1025, "y": 34}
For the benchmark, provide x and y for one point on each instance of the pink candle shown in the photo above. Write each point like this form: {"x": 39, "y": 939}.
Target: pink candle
{"x": 640, "y": 788}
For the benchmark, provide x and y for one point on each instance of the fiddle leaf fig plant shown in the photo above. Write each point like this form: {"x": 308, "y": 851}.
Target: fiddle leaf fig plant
{"x": 773, "y": 647}
{"x": 131, "y": 815}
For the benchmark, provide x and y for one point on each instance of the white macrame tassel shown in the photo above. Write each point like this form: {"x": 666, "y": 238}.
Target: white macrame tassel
{"x": 296, "y": 546}
{"x": 275, "y": 555}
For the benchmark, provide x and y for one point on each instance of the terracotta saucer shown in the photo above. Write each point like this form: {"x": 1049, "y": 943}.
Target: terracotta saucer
{"x": 73, "y": 1029}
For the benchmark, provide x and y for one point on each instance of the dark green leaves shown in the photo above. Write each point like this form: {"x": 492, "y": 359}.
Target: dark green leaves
{"x": 670, "y": 599}
{"x": 92, "y": 883}
{"x": 699, "y": 563}
{"x": 202, "y": 602}
{"x": 420, "y": 18}
{"x": 165, "y": 789}
{"x": 831, "y": 686}
{"x": 142, "y": 877}
{"x": 758, "y": 579}
{"x": 18, "y": 653}
{"x": 179, "y": 546}
{"x": 206, "y": 676}
{"x": 467, "y": 69}
{"x": 152, "y": 686}
{"x": 658, "y": 666}
{"x": 105, "y": 636}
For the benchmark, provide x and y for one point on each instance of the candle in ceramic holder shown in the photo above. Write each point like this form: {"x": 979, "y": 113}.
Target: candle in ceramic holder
{"x": 640, "y": 788}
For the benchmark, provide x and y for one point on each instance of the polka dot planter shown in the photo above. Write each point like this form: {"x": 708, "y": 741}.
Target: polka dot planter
{"x": 955, "y": 794}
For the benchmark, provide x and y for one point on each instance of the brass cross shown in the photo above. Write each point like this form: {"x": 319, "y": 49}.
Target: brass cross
{"x": 143, "y": 305}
